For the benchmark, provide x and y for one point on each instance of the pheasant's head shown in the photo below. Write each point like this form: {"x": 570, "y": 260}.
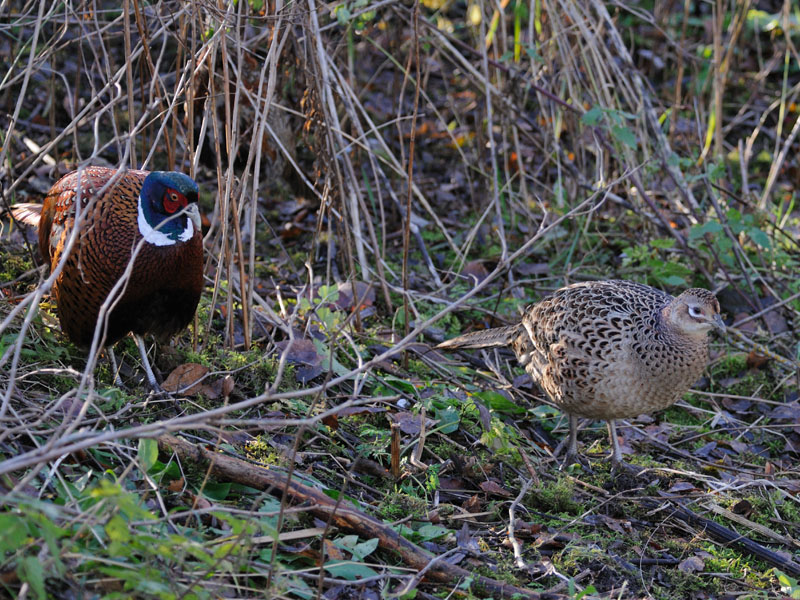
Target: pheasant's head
{"x": 694, "y": 313}
{"x": 168, "y": 212}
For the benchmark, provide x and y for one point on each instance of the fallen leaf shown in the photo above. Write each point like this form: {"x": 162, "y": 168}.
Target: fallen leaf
{"x": 176, "y": 485}
{"x": 185, "y": 379}
{"x": 476, "y": 270}
{"x": 742, "y": 507}
{"x": 492, "y": 487}
{"x": 692, "y": 564}
{"x": 682, "y": 486}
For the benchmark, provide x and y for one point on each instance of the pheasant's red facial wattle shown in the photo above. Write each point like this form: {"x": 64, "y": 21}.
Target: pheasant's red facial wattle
{"x": 174, "y": 201}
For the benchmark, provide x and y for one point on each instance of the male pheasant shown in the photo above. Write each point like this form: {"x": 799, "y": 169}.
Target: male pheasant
{"x": 609, "y": 349}
{"x": 151, "y": 216}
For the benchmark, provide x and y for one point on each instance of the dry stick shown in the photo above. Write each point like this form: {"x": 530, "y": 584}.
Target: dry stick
{"x": 126, "y": 14}
{"x": 520, "y": 562}
{"x": 410, "y": 167}
{"x": 662, "y": 148}
{"x": 334, "y": 137}
{"x": 231, "y": 147}
{"x": 717, "y": 14}
{"x": 757, "y": 527}
{"x": 260, "y": 127}
{"x": 37, "y": 26}
{"x": 501, "y": 234}
{"x": 345, "y": 515}
{"x": 155, "y": 85}
{"x": 727, "y": 536}
{"x": 222, "y": 204}
{"x": 237, "y": 230}
{"x": 679, "y": 78}
{"x": 71, "y": 128}
{"x": 379, "y": 250}
{"x": 777, "y": 165}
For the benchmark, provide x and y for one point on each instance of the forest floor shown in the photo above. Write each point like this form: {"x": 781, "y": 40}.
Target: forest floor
{"x": 311, "y": 441}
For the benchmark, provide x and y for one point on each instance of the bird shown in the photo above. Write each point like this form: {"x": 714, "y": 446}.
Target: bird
{"x": 150, "y": 216}
{"x": 609, "y": 350}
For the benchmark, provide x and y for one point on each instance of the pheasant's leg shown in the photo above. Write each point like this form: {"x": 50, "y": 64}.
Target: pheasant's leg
{"x": 616, "y": 453}
{"x": 572, "y": 455}
{"x": 114, "y": 367}
{"x": 151, "y": 379}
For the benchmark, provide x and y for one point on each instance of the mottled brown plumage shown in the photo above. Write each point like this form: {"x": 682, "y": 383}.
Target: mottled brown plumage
{"x": 166, "y": 278}
{"x": 609, "y": 349}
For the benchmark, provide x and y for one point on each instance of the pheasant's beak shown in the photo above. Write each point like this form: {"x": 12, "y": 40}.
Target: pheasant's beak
{"x": 719, "y": 324}
{"x": 194, "y": 215}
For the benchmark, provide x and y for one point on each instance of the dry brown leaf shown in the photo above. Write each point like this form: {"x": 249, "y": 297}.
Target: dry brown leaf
{"x": 186, "y": 376}
{"x": 492, "y": 487}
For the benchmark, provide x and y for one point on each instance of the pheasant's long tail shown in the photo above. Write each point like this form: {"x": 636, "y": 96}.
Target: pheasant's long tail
{"x": 28, "y": 213}
{"x": 488, "y": 338}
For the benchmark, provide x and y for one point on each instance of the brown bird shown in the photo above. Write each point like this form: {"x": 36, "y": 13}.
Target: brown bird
{"x": 609, "y": 349}
{"x": 152, "y": 216}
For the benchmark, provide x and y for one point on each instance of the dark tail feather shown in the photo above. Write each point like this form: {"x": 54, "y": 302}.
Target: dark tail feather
{"x": 488, "y": 338}
{"x": 28, "y": 213}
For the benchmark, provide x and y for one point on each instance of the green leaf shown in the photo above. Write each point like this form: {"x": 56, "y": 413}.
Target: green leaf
{"x": 117, "y": 530}
{"x": 592, "y": 116}
{"x": 662, "y": 243}
{"x": 496, "y": 401}
{"x": 543, "y": 411}
{"x": 759, "y": 237}
{"x": 533, "y": 55}
{"x": 431, "y": 532}
{"x": 148, "y": 453}
{"x": 342, "y": 15}
{"x": 673, "y": 280}
{"x": 449, "y": 419}
{"x": 698, "y": 231}
{"x": 30, "y": 570}
{"x": 349, "y": 570}
{"x": 673, "y": 160}
{"x": 364, "y": 549}
{"x": 402, "y": 384}
{"x": 14, "y": 534}
{"x": 624, "y": 135}
{"x": 216, "y": 491}
{"x": 788, "y": 584}
{"x": 323, "y": 351}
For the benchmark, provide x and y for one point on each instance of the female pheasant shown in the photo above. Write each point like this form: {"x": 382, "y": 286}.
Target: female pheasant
{"x": 609, "y": 349}
{"x": 152, "y": 217}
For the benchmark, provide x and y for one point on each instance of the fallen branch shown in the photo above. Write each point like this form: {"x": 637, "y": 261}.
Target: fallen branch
{"x": 343, "y": 515}
{"x": 727, "y": 536}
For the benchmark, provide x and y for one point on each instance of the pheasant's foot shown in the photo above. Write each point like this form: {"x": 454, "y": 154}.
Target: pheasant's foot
{"x": 619, "y": 467}
{"x": 571, "y": 458}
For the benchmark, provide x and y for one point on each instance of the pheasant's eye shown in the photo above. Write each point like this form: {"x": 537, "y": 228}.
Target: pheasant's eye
{"x": 173, "y": 201}
{"x": 695, "y": 312}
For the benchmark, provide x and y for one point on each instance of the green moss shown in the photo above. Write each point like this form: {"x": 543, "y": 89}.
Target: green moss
{"x": 397, "y": 505}
{"x": 556, "y": 497}
{"x": 259, "y": 449}
{"x": 13, "y": 266}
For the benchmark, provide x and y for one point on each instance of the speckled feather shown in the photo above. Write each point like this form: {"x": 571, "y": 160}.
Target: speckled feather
{"x": 165, "y": 283}
{"x": 606, "y": 349}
